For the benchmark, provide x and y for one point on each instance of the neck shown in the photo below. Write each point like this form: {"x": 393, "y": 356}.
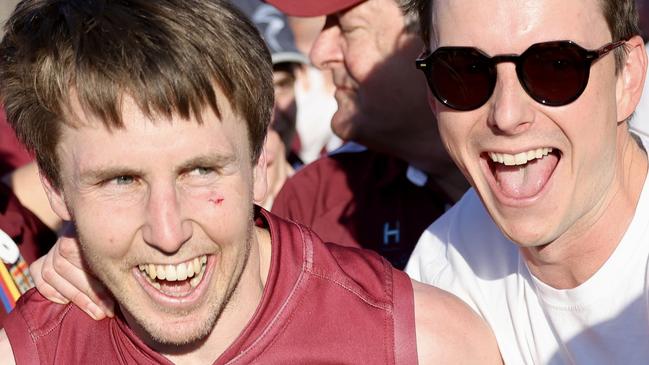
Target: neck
{"x": 581, "y": 251}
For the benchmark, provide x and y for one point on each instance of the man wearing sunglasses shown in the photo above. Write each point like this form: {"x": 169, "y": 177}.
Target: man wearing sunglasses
{"x": 551, "y": 245}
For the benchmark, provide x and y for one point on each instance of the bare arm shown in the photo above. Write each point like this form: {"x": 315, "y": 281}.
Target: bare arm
{"x": 449, "y": 331}
{"x": 26, "y": 184}
{"x": 6, "y": 353}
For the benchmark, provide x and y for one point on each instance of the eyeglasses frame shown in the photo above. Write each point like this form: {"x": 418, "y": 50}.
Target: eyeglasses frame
{"x": 589, "y": 57}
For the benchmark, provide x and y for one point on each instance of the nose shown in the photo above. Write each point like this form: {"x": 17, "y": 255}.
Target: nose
{"x": 165, "y": 228}
{"x": 326, "y": 50}
{"x": 510, "y": 106}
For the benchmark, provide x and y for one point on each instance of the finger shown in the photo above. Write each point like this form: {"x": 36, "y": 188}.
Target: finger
{"x": 43, "y": 287}
{"x": 59, "y": 284}
{"x": 68, "y": 246}
{"x": 79, "y": 278}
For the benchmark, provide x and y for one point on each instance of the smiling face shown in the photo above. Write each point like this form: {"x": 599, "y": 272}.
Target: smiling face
{"x": 542, "y": 172}
{"x": 371, "y": 55}
{"x": 163, "y": 211}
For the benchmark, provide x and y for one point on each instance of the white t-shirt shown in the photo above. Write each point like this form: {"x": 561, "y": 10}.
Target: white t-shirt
{"x": 603, "y": 321}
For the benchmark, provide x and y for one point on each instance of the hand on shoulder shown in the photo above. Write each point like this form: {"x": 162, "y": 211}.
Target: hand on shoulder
{"x": 449, "y": 331}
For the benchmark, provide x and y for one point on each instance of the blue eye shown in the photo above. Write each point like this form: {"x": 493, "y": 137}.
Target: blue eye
{"x": 201, "y": 171}
{"x": 123, "y": 180}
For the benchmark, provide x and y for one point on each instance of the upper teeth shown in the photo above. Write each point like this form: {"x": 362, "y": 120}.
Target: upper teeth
{"x": 519, "y": 158}
{"x": 177, "y": 272}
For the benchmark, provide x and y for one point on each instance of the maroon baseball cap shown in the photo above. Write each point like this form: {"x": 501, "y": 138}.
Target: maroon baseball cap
{"x": 312, "y": 7}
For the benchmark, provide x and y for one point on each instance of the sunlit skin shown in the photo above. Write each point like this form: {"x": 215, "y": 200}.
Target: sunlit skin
{"x": 565, "y": 228}
{"x": 380, "y": 95}
{"x": 165, "y": 191}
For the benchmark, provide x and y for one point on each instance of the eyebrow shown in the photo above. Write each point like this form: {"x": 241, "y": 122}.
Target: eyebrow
{"x": 105, "y": 173}
{"x": 101, "y": 174}
{"x": 212, "y": 160}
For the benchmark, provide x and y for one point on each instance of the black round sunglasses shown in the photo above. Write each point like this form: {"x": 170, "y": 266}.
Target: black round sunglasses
{"x": 552, "y": 73}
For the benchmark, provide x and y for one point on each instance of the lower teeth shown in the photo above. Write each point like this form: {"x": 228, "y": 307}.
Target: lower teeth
{"x": 197, "y": 278}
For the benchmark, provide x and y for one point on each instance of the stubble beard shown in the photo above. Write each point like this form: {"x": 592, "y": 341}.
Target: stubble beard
{"x": 158, "y": 332}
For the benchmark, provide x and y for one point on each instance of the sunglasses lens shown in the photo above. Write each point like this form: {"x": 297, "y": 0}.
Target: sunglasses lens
{"x": 554, "y": 73}
{"x": 461, "y": 78}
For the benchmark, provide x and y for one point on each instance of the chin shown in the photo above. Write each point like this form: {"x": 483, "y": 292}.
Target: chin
{"x": 178, "y": 332}
{"x": 343, "y": 126}
{"x": 525, "y": 235}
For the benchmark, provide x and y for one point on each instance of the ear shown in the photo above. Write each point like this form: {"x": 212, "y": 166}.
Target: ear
{"x": 260, "y": 181}
{"x": 56, "y": 198}
{"x": 432, "y": 100}
{"x": 270, "y": 153}
{"x": 630, "y": 80}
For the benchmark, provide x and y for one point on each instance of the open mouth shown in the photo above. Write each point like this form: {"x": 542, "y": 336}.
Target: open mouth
{"x": 523, "y": 175}
{"x": 177, "y": 280}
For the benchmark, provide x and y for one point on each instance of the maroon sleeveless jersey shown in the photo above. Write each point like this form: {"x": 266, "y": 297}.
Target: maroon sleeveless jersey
{"x": 322, "y": 304}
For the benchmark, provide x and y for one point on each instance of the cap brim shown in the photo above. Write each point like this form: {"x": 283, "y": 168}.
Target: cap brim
{"x": 289, "y": 57}
{"x": 307, "y": 8}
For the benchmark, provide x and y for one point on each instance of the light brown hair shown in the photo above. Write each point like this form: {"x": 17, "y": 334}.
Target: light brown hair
{"x": 169, "y": 55}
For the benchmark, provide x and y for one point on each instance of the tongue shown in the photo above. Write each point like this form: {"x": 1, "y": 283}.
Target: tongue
{"x": 526, "y": 180}
{"x": 175, "y": 288}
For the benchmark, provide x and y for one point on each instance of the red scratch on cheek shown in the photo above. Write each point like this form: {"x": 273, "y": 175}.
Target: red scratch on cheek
{"x": 216, "y": 201}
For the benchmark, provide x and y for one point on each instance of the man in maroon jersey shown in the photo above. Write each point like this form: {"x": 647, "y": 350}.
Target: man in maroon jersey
{"x": 381, "y": 195}
{"x": 147, "y": 120}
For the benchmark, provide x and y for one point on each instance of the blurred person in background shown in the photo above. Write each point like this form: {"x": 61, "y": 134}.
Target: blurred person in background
{"x": 23, "y": 239}
{"x": 23, "y": 235}
{"x": 314, "y": 94}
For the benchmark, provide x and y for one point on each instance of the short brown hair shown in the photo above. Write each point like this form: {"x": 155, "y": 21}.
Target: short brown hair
{"x": 621, "y": 17}
{"x": 169, "y": 55}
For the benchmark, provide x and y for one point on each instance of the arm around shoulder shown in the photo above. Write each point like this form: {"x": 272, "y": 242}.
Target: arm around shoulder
{"x": 6, "y": 352}
{"x": 449, "y": 331}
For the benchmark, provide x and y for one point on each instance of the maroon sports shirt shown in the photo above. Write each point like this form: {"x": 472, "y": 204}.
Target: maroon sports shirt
{"x": 360, "y": 198}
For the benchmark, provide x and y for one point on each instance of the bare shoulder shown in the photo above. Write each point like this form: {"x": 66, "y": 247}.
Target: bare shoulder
{"x": 5, "y": 349}
{"x": 449, "y": 331}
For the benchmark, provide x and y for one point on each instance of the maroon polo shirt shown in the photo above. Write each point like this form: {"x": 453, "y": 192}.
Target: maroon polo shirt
{"x": 31, "y": 235}
{"x": 361, "y": 198}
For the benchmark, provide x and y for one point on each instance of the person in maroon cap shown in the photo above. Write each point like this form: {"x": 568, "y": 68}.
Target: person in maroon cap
{"x": 393, "y": 177}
